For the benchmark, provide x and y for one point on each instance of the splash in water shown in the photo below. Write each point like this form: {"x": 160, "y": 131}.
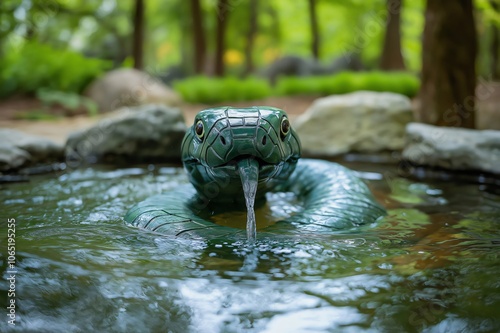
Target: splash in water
{"x": 249, "y": 173}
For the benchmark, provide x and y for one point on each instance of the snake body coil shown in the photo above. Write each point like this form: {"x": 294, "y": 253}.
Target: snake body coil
{"x": 220, "y": 138}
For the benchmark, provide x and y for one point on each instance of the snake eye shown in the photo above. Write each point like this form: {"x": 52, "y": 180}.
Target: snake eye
{"x": 285, "y": 127}
{"x": 199, "y": 129}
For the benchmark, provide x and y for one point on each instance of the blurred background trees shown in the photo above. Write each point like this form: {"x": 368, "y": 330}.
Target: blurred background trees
{"x": 63, "y": 44}
{"x": 138, "y": 41}
{"x": 199, "y": 45}
{"x": 448, "y": 70}
{"x": 392, "y": 57}
{"x": 188, "y": 33}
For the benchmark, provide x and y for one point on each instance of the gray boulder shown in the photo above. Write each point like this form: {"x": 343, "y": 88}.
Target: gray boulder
{"x": 349, "y": 61}
{"x": 18, "y": 150}
{"x": 291, "y": 65}
{"x": 362, "y": 121}
{"x": 148, "y": 133}
{"x": 130, "y": 87}
{"x": 453, "y": 148}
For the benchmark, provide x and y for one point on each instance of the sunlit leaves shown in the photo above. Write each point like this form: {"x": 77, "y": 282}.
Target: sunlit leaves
{"x": 490, "y": 9}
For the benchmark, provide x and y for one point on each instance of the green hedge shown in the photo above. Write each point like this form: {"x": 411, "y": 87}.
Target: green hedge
{"x": 215, "y": 90}
{"x": 202, "y": 89}
{"x": 398, "y": 82}
{"x": 34, "y": 66}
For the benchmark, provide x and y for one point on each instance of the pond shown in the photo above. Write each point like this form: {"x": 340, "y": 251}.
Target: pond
{"x": 432, "y": 265}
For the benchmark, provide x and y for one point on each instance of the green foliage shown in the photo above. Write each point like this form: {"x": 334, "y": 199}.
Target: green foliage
{"x": 69, "y": 101}
{"x": 128, "y": 62}
{"x": 33, "y": 66}
{"x": 214, "y": 90}
{"x": 398, "y": 82}
{"x": 489, "y": 10}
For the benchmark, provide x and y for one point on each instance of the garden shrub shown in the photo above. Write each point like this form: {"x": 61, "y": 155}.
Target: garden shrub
{"x": 207, "y": 90}
{"x": 345, "y": 82}
{"x": 56, "y": 104}
{"x": 71, "y": 102}
{"x": 33, "y": 66}
{"x": 202, "y": 89}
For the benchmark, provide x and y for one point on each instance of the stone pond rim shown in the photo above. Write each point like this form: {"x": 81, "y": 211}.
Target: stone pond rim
{"x": 334, "y": 198}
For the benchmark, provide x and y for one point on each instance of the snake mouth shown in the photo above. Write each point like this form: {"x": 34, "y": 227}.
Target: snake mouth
{"x": 232, "y": 165}
{"x": 230, "y": 169}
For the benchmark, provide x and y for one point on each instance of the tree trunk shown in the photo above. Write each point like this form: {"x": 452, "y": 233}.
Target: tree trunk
{"x": 447, "y": 92}
{"x": 223, "y": 8}
{"x": 392, "y": 58}
{"x": 138, "y": 43}
{"x": 495, "y": 45}
{"x": 275, "y": 32}
{"x": 198, "y": 37}
{"x": 314, "y": 29}
{"x": 252, "y": 31}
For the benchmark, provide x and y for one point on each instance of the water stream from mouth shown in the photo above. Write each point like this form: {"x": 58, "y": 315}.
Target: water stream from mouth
{"x": 249, "y": 173}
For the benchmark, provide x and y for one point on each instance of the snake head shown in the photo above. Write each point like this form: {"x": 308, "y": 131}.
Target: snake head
{"x": 220, "y": 137}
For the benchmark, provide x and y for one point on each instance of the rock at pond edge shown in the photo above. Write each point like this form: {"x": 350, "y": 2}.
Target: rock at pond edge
{"x": 148, "y": 133}
{"x": 453, "y": 148}
{"x": 19, "y": 150}
{"x": 363, "y": 121}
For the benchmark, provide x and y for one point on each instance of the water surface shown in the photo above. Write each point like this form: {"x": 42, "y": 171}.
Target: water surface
{"x": 432, "y": 265}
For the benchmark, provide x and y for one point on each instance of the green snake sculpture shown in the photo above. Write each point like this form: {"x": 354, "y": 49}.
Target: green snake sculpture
{"x": 233, "y": 157}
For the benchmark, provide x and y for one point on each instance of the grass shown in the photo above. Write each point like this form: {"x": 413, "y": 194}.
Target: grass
{"x": 230, "y": 89}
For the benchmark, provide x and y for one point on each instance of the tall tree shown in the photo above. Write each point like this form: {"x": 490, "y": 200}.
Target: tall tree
{"x": 313, "y": 19}
{"x": 495, "y": 45}
{"x": 223, "y": 8}
{"x": 138, "y": 42}
{"x": 448, "y": 64}
{"x": 392, "y": 58}
{"x": 275, "y": 31}
{"x": 252, "y": 31}
{"x": 200, "y": 47}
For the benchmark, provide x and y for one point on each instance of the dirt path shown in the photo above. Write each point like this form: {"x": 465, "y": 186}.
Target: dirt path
{"x": 56, "y": 130}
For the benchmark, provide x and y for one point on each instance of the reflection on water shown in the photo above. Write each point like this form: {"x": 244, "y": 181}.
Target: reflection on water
{"x": 430, "y": 266}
